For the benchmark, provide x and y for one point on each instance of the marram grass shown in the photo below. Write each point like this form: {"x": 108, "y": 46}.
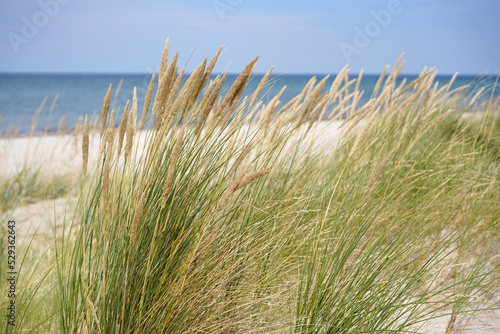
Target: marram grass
{"x": 322, "y": 215}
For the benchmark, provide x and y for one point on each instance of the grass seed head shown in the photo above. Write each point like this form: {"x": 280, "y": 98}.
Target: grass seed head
{"x": 380, "y": 169}
{"x": 105, "y": 183}
{"x": 261, "y": 85}
{"x": 232, "y": 188}
{"x": 210, "y": 103}
{"x": 134, "y": 108}
{"x": 110, "y": 134}
{"x": 130, "y": 137}
{"x": 195, "y": 86}
{"x": 147, "y": 101}
{"x": 93, "y": 311}
{"x": 237, "y": 87}
{"x": 254, "y": 176}
{"x": 170, "y": 111}
{"x": 164, "y": 58}
{"x": 123, "y": 128}
{"x": 210, "y": 68}
{"x": 363, "y": 133}
{"x": 137, "y": 217}
{"x": 85, "y": 145}
{"x": 105, "y": 109}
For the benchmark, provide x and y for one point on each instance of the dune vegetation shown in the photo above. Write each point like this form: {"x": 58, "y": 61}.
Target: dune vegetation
{"x": 214, "y": 212}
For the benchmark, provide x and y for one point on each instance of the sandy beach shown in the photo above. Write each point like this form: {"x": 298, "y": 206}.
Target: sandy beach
{"x": 61, "y": 154}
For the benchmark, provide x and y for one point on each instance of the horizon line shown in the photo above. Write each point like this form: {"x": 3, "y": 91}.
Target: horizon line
{"x": 237, "y": 73}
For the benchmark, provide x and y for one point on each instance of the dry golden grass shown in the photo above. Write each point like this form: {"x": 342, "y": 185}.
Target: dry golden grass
{"x": 85, "y": 145}
{"x": 105, "y": 109}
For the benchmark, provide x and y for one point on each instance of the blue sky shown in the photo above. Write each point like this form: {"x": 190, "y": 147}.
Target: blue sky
{"x": 293, "y": 36}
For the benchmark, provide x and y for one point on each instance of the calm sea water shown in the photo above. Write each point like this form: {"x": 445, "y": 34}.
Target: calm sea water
{"x": 81, "y": 94}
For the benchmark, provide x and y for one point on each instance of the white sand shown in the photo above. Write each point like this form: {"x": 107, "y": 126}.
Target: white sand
{"x": 56, "y": 154}
{"x": 62, "y": 154}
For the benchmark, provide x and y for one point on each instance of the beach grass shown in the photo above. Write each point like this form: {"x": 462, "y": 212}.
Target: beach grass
{"x": 30, "y": 185}
{"x": 217, "y": 213}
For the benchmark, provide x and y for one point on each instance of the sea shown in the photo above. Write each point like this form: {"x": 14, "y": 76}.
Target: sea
{"x": 77, "y": 95}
